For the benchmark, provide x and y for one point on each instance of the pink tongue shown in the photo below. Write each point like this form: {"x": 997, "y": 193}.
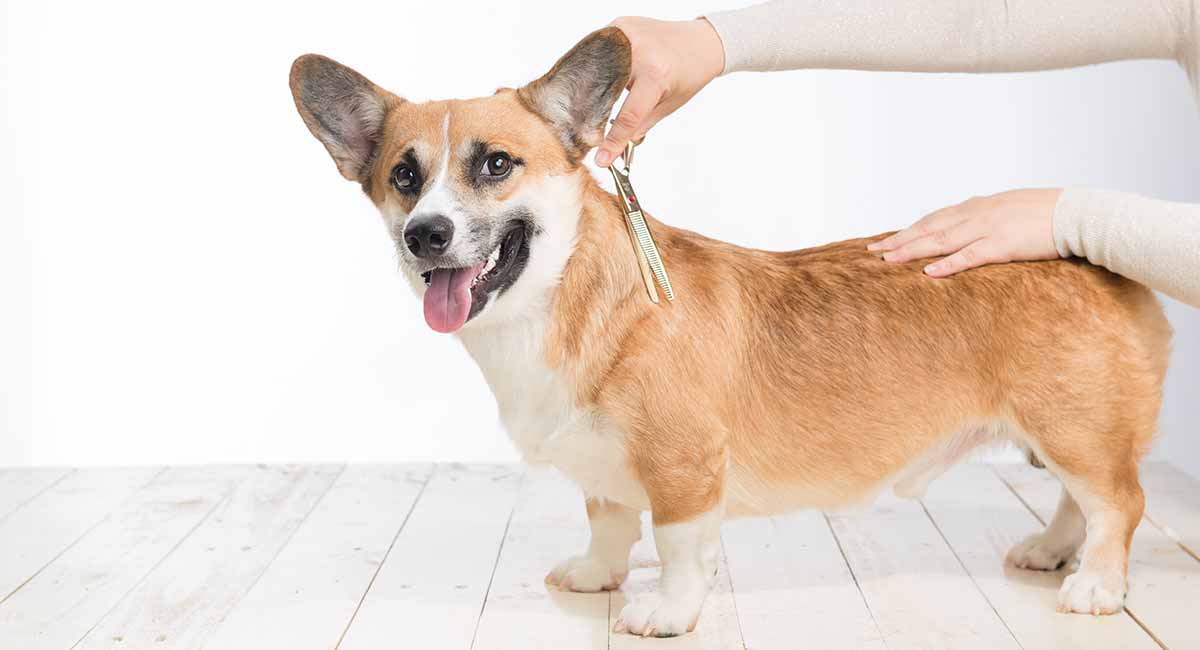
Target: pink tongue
{"x": 448, "y": 298}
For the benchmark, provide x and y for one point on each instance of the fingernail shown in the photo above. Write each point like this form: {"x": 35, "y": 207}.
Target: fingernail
{"x": 931, "y": 269}
{"x": 603, "y": 157}
{"x": 889, "y": 256}
{"x": 873, "y": 246}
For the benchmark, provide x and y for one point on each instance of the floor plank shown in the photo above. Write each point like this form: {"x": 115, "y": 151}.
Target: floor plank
{"x": 38, "y": 532}
{"x": 18, "y": 485}
{"x": 1173, "y": 504}
{"x": 718, "y": 627}
{"x": 1161, "y": 575}
{"x": 788, "y": 574}
{"x": 178, "y": 605}
{"x": 310, "y": 592}
{"x": 269, "y": 557}
{"x": 64, "y": 601}
{"x": 548, "y": 525}
{"x": 429, "y": 592}
{"x": 918, "y": 592}
{"x": 981, "y": 519}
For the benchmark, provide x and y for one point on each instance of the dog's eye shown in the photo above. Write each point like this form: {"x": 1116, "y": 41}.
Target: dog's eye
{"x": 404, "y": 178}
{"x": 496, "y": 165}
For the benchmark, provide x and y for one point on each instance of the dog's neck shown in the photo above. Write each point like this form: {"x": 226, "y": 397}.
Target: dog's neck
{"x": 601, "y": 296}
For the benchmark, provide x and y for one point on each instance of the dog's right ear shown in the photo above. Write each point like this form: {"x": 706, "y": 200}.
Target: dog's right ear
{"x": 343, "y": 109}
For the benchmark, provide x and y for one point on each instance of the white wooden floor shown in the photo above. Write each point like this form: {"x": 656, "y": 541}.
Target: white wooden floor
{"x": 373, "y": 557}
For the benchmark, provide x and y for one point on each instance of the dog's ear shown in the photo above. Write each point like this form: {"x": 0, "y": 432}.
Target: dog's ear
{"x": 577, "y": 95}
{"x": 343, "y": 109}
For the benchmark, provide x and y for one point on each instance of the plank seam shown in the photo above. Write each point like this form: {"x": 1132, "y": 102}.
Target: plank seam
{"x": 861, "y": 593}
{"x": 1172, "y": 536}
{"x": 732, "y": 597}
{"x": 496, "y": 564}
{"x": 85, "y": 533}
{"x": 384, "y": 559}
{"x": 1019, "y": 497}
{"x": 969, "y": 575}
{"x": 1128, "y": 612}
{"x": 299, "y": 524}
{"x": 1146, "y": 629}
{"x": 116, "y": 603}
{"x": 39, "y": 493}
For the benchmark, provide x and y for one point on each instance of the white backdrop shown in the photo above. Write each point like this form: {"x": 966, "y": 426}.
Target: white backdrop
{"x": 184, "y": 277}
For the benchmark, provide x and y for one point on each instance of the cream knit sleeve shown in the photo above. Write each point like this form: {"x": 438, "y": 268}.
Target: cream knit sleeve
{"x": 950, "y": 35}
{"x": 1154, "y": 242}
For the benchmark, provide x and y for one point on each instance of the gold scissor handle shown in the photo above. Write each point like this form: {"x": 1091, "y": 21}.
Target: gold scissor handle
{"x": 628, "y": 156}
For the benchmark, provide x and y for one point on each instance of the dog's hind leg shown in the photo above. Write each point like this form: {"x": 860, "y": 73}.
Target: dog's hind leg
{"x": 1101, "y": 506}
{"x": 1057, "y": 544}
{"x": 1090, "y": 421}
{"x": 1112, "y": 504}
{"x": 615, "y": 529}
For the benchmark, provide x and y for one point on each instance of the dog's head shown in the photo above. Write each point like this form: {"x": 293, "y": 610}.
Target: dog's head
{"x": 482, "y": 196}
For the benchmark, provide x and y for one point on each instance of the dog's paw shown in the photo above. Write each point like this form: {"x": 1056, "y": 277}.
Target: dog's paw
{"x": 585, "y": 574}
{"x": 1039, "y": 553}
{"x": 1092, "y": 592}
{"x": 650, "y": 615}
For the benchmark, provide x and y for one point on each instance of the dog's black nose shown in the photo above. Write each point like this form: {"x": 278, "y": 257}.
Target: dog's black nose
{"x": 427, "y": 236}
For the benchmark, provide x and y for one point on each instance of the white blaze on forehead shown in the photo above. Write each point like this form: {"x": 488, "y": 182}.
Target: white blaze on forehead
{"x": 439, "y": 199}
{"x": 446, "y": 132}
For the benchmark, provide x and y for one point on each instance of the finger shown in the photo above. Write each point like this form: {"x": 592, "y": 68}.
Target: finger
{"x": 984, "y": 251}
{"x": 637, "y": 107}
{"x": 928, "y": 224}
{"x": 662, "y": 110}
{"x": 643, "y": 130}
{"x": 940, "y": 242}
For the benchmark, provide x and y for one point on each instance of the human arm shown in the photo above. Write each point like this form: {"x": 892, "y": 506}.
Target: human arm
{"x": 673, "y": 60}
{"x": 1153, "y": 242}
{"x": 950, "y": 35}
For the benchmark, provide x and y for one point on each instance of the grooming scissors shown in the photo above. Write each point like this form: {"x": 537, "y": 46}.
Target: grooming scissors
{"x": 649, "y": 261}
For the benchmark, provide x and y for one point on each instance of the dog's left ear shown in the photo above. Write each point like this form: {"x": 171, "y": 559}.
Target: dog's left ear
{"x": 577, "y": 95}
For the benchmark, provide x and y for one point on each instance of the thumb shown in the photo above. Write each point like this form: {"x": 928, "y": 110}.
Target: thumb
{"x": 638, "y": 105}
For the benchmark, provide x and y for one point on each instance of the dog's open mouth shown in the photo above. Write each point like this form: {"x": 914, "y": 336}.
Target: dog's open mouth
{"x": 454, "y": 295}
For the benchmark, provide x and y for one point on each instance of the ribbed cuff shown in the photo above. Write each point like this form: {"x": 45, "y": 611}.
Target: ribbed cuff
{"x": 1153, "y": 242}
{"x": 1083, "y": 223}
{"x": 1066, "y": 225}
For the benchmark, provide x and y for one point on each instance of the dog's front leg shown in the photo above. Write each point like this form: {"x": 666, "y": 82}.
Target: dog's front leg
{"x": 687, "y": 532}
{"x": 615, "y": 529}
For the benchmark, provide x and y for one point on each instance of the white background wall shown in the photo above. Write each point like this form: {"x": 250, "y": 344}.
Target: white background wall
{"x": 184, "y": 277}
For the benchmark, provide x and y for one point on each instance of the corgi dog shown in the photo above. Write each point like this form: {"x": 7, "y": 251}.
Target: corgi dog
{"x": 775, "y": 381}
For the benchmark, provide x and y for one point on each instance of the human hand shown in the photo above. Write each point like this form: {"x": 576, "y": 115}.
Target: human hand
{"x": 672, "y": 61}
{"x": 1007, "y": 227}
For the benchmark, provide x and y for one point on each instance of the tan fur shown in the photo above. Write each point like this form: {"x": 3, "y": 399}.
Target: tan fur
{"x": 813, "y": 378}
{"x": 829, "y": 367}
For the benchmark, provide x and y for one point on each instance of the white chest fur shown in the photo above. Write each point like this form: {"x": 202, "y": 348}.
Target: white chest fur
{"x": 537, "y": 408}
